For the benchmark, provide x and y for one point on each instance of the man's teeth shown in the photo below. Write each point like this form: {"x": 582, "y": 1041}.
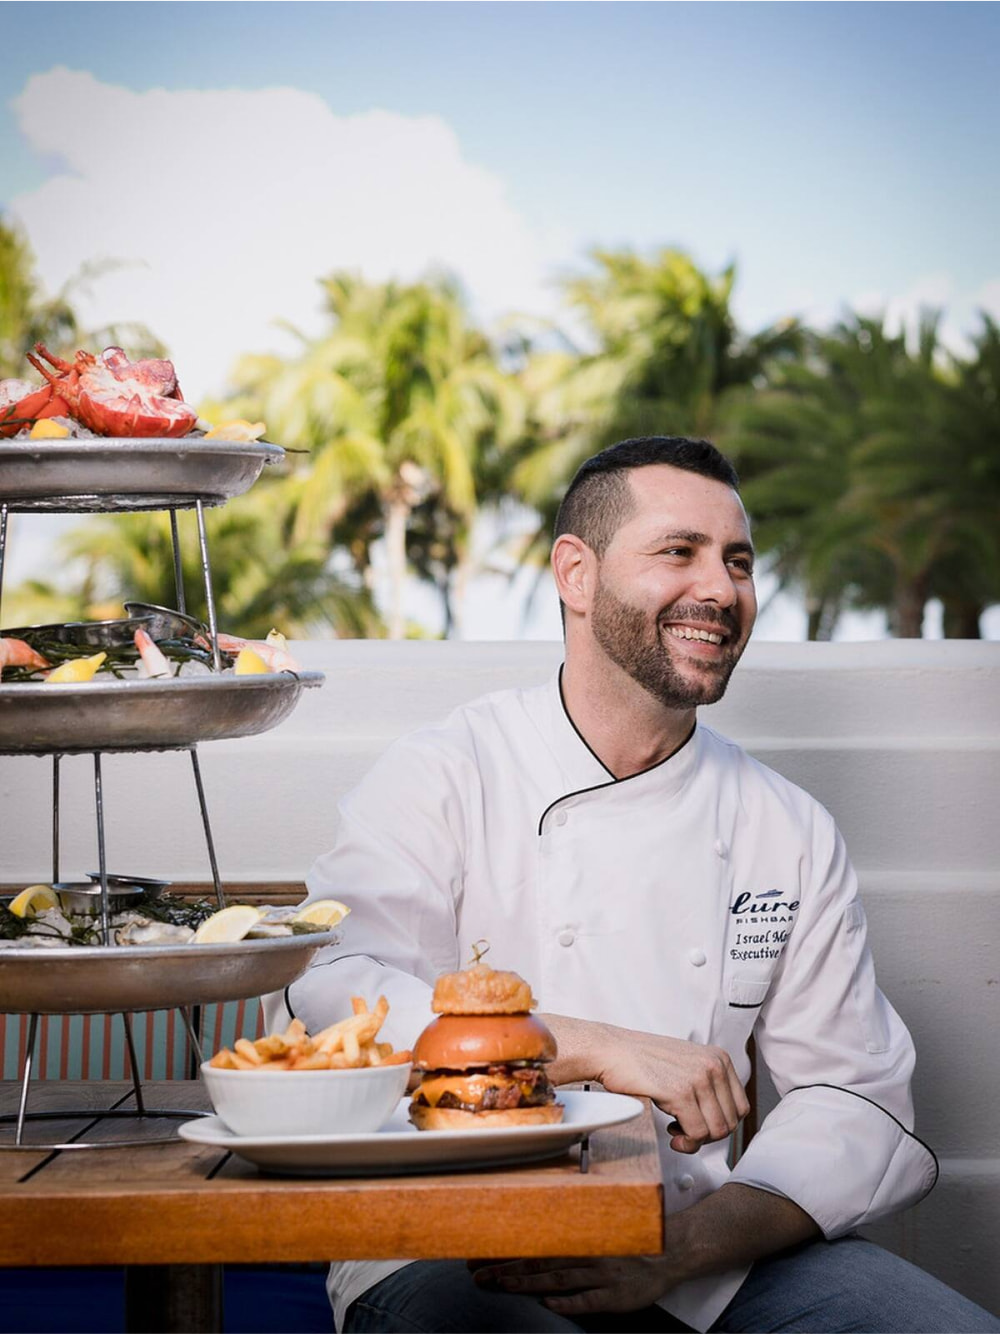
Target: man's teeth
{"x": 685, "y": 632}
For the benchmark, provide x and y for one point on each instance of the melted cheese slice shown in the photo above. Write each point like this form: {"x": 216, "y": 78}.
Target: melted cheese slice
{"x": 469, "y": 1089}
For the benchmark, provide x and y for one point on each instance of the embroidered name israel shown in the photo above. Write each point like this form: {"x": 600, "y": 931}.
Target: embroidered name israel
{"x": 762, "y": 922}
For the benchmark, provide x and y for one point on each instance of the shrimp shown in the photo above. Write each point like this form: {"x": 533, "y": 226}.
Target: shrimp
{"x": 153, "y": 660}
{"x": 272, "y": 651}
{"x": 18, "y": 653}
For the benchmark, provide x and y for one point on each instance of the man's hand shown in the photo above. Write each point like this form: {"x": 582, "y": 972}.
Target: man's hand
{"x": 578, "y": 1287}
{"x": 696, "y": 1085}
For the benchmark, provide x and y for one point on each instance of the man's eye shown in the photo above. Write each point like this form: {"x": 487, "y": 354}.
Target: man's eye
{"x": 743, "y": 563}
{"x": 677, "y": 551}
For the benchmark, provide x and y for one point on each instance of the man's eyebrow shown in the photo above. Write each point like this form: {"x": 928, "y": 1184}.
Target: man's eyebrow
{"x": 686, "y": 535}
{"x": 695, "y": 539}
{"x": 738, "y": 548}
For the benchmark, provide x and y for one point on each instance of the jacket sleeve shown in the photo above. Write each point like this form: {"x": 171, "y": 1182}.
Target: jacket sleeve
{"x": 840, "y": 1142}
{"x": 397, "y": 863}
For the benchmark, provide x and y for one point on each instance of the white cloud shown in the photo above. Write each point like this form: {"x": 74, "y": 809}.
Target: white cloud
{"x": 961, "y": 316}
{"x": 226, "y": 206}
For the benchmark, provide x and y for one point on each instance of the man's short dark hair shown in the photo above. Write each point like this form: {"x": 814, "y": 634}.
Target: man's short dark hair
{"x": 600, "y": 499}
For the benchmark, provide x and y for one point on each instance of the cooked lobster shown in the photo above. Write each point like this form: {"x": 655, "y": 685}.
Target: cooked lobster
{"x": 109, "y": 394}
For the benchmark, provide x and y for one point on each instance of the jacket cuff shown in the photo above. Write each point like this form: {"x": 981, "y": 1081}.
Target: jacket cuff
{"x": 842, "y": 1158}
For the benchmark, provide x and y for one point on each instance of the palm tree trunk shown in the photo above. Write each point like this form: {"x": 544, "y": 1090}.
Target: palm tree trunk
{"x": 397, "y": 514}
{"x": 459, "y": 589}
{"x": 815, "y": 609}
{"x": 961, "y": 618}
{"x": 908, "y": 611}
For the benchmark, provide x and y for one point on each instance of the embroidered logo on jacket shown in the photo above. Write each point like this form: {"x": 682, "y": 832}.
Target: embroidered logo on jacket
{"x": 762, "y": 924}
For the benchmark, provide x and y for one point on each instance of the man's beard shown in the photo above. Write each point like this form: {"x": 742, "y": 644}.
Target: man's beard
{"x": 638, "y": 648}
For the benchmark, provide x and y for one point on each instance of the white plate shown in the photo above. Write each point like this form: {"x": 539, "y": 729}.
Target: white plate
{"x": 399, "y": 1147}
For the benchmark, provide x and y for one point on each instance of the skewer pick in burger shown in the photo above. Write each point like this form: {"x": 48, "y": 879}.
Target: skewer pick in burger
{"x": 482, "y": 1061}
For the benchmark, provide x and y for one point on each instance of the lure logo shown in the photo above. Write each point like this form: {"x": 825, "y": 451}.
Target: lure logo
{"x": 762, "y": 924}
{"x": 765, "y": 904}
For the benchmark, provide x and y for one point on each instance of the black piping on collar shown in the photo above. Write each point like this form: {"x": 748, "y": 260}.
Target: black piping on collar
{"x": 612, "y": 781}
{"x": 837, "y": 1088}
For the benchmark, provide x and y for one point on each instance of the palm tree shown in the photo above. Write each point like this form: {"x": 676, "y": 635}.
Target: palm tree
{"x": 260, "y": 580}
{"x": 934, "y": 457}
{"x": 395, "y": 406}
{"x": 665, "y": 357}
{"x": 29, "y": 316}
{"x": 872, "y": 473}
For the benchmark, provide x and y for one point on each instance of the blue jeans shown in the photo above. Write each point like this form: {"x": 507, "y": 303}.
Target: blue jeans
{"x": 819, "y": 1288}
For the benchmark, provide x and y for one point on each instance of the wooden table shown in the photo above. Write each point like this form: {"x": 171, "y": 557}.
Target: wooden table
{"x": 174, "y": 1213}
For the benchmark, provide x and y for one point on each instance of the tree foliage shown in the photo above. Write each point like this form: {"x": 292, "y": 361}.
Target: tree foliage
{"x": 871, "y": 463}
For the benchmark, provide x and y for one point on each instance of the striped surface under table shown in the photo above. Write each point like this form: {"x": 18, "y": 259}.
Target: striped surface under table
{"x": 92, "y": 1046}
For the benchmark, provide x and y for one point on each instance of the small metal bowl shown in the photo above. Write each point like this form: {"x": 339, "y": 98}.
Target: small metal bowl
{"x": 166, "y": 623}
{"x": 86, "y": 634}
{"x": 151, "y": 888}
{"x": 84, "y": 898}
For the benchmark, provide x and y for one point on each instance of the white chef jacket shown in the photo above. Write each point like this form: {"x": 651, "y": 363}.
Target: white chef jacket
{"x": 705, "y": 898}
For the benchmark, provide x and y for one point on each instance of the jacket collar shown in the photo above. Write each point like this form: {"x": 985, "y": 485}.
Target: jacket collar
{"x": 581, "y": 769}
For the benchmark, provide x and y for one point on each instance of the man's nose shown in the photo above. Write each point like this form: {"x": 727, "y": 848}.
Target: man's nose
{"x": 713, "y": 582}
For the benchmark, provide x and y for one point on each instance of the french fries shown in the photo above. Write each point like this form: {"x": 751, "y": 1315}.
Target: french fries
{"x": 348, "y": 1044}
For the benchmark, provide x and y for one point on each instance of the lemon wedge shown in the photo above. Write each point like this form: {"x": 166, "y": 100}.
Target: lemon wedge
{"x": 79, "y": 669}
{"x": 240, "y": 430}
{"x": 249, "y": 663}
{"x": 48, "y": 430}
{"x": 324, "y": 912}
{"x": 34, "y": 899}
{"x": 228, "y": 925}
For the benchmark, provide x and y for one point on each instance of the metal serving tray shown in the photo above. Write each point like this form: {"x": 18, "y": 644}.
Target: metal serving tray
{"x": 144, "y": 715}
{"x": 121, "y": 474}
{"x": 99, "y": 979}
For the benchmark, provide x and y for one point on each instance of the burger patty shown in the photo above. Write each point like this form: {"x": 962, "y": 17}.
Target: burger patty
{"x": 492, "y": 1088}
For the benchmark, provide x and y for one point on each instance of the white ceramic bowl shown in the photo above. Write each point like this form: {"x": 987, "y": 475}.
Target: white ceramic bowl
{"x": 265, "y": 1103}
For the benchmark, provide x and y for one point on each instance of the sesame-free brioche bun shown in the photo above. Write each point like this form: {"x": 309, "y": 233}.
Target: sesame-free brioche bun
{"x": 459, "y": 1041}
{"x": 482, "y": 990}
{"x": 453, "y": 1118}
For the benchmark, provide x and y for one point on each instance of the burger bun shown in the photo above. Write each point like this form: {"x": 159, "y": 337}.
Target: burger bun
{"x": 461, "y": 1042}
{"x": 453, "y": 1118}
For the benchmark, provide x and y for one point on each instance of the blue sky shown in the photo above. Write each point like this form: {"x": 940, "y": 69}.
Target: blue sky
{"x": 859, "y": 139}
{"x": 229, "y": 154}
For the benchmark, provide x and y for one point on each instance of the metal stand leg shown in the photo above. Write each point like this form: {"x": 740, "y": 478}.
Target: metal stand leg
{"x": 3, "y": 546}
{"x": 192, "y": 1022}
{"x": 133, "y": 1064}
{"x": 219, "y": 896}
{"x": 178, "y": 567}
{"x": 206, "y": 572}
{"x": 22, "y": 1106}
{"x": 101, "y": 859}
{"x": 55, "y": 818}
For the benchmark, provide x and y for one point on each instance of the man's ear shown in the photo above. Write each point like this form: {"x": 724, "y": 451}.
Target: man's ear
{"x": 572, "y": 565}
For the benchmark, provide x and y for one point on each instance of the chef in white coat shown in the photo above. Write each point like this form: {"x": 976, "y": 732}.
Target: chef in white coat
{"x": 666, "y": 896}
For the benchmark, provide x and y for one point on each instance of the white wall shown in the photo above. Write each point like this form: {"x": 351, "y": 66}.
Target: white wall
{"x": 899, "y": 739}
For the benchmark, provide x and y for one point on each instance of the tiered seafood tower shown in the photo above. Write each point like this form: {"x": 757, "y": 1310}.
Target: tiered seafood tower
{"x": 105, "y": 717}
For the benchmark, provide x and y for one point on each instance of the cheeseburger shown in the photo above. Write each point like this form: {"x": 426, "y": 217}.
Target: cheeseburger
{"x": 482, "y": 1061}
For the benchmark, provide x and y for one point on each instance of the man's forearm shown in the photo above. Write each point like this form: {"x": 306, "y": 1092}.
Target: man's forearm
{"x": 576, "y": 1040}
{"x": 733, "y": 1226}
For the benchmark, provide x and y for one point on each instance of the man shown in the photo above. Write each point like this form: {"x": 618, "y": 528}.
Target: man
{"x": 666, "y": 896}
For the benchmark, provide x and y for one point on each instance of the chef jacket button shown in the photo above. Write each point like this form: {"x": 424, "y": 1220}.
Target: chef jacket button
{"x": 566, "y": 936}
{"x": 720, "y": 848}
{"x": 685, "y": 1182}
{"x": 697, "y": 957}
{"x": 561, "y": 817}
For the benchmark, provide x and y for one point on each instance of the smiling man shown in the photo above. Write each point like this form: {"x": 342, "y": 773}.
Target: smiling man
{"x": 666, "y": 896}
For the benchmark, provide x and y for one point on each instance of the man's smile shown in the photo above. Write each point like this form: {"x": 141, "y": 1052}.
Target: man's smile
{"x": 695, "y": 632}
